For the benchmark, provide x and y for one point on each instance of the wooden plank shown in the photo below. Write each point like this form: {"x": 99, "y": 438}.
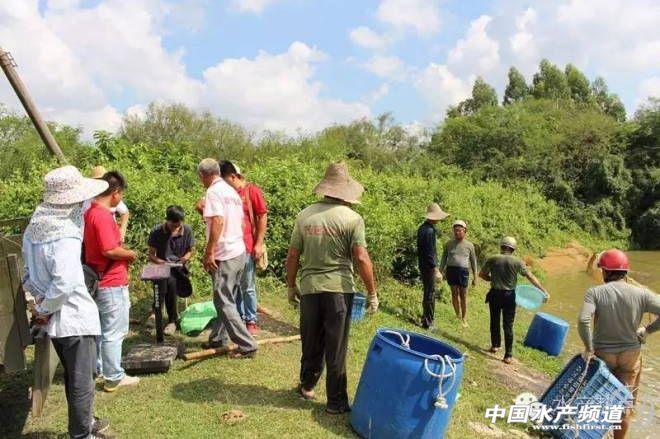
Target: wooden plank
{"x": 206, "y": 353}
{"x": 20, "y": 305}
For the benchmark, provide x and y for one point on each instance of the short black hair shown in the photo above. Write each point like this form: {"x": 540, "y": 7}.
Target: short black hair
{"x": 227, "y": 168}
{"x": 614, "y": 275}
{"x": 116, "y": 182}
{"x": 175, "y": 213}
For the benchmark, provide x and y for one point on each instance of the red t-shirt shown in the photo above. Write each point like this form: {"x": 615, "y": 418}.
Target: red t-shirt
{"x": 252, "y": 194}
{"x": 101, "y": 235}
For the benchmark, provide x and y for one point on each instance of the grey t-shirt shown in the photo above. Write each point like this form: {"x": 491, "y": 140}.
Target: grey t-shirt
{"x": 459, "y": 254}
{"x": 504, "y": 271}
{"x": 618, "y": 308}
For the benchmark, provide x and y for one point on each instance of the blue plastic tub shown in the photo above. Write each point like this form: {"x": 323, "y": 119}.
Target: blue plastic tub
{"x": 547, "y": 333}
{"x": 397, "y": 397}
{"x": 599, "y": 387}
{"x": 529, "y": 297}
{"x": 357, "y": 312}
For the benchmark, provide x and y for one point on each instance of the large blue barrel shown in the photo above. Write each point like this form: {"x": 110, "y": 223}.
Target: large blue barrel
{"x": 547, "y": 333}
{"x": 399, "y": 392}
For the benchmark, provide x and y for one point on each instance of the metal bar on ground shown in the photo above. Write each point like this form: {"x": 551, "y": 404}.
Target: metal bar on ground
{"x": 206, "y": 353}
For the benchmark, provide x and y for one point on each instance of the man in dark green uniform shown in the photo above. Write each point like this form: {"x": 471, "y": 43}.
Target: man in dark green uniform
{"x": 502, "y": 272}
{"x": 330, "y": 238}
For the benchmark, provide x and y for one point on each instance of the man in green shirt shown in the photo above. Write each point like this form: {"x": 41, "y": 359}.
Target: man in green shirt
{"x": 617, "y": 335}
{"x": 330, "y": 238}
{"x": 458, "y": 255}
{"x": 502, "y": 272}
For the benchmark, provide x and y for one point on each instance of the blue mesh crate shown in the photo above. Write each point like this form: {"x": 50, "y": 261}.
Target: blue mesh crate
{"x": 599, "y": 388}
{"x": 358, "y": 307}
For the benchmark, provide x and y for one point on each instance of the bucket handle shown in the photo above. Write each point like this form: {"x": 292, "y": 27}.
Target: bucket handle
{"x": 405, "y": 338}
{"x": 446, "y": 361}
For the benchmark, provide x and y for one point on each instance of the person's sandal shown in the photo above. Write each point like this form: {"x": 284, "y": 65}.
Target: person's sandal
{"x": 308, "y": 395}
{"x": 238, "y": 355}
{"x": 493, "y": 350}
{"x": 337, "y": 411}
{"x": 508, "y": 360}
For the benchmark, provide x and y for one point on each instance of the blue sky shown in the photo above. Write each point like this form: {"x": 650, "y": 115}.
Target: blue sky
{"x": 300, "y": 65}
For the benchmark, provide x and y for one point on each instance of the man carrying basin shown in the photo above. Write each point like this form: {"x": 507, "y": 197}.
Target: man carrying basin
{"x": 617, "y": 335}
{"x": 330, "y": 237}
{"x": 502, "y": 272}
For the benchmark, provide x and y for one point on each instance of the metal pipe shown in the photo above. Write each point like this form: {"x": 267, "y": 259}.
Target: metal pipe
{"x": 8, "y": 66}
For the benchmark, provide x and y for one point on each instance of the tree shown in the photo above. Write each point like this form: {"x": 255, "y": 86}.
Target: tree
{"x": 483, "y": 95}
{"x": 517, "y": 89}
{"x": 609, "y": 103}
{"x": 550, "y": 82}
{"x": 578, "y": 84}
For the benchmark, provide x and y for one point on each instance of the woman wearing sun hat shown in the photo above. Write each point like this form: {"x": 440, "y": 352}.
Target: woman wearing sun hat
{"x": 53, "y": 274}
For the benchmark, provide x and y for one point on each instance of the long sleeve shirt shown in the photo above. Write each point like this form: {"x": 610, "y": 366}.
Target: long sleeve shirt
{"x": 459, "y": 254}
{"x": 426, "y": 246}
{"x": 54, "y": 274}
{"x": 619, "y": 308}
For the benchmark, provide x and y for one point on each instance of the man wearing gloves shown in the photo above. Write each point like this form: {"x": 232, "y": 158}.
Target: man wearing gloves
{"x": 617, "y": 334}
{"x": 427, "y": 237}
{"x": 330, "y": 237}
{"x": 54, "y": 275}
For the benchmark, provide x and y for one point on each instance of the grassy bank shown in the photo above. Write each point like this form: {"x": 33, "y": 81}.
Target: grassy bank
{"x": 188, "y": 401}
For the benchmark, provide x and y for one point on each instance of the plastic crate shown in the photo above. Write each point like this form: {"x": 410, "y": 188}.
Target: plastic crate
{"x": 600, "y": 387}
{"x": 357, "y": 313}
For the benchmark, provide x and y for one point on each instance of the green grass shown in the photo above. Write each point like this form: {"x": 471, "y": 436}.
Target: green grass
{"x": 188, "y": 401}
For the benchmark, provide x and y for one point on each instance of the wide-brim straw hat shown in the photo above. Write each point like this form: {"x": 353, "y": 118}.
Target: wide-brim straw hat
{"x": 98, "y": 172}
{"x": 66, "y": 185}
{"x": 435, "y": 213}
{"x": 459, "y": 223}
{"x": 338, "y": 183}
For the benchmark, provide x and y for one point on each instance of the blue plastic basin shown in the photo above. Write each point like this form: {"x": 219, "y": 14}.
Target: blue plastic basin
{"x": 396, "y": 396}
{"x": 529, "y": 297}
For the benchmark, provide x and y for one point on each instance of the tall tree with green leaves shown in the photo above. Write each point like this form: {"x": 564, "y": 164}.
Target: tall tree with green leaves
{"x": 609, "y": 103}
{"x": 578, "y": 84}
{"x": 517, "y": 89}
{"x": 483, "y": 95}
{"x": 550, "y": 82}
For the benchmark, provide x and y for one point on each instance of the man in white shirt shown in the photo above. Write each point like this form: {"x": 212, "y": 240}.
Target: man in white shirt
{"x": 54, "y": 276}
{"x": 224, "y": 259}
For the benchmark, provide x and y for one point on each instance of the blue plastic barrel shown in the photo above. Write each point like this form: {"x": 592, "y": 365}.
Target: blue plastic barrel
{"x": 408, "y": 386}
{"x": 357, "y": 312}
{"x": 577, "y": 387}
{"x": 547, "y": 333}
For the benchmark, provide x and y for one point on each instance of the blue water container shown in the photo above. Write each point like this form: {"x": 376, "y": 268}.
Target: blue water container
{"x": 577, "y": 387}
{"x": 529, "y": 297}
{"x": 547, "y": 333}
{"x": 408, "y": 387}
{"x": 357, "y": 312}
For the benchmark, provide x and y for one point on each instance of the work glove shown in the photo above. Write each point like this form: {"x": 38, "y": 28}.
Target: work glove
{"x": 293, "y": 294}
{"x": 587, "y": 355}
{"x": 438, "y": 275}
{"x": 372, "y": 303}
{"x": 641, "y": 334}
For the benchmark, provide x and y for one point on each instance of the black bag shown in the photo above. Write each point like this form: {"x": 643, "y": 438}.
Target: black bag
{"x": 92, "y": 280}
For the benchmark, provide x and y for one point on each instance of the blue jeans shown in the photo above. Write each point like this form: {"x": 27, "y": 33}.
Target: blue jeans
{"x": 113, "y": 304}
{"x": 246, "y": 302}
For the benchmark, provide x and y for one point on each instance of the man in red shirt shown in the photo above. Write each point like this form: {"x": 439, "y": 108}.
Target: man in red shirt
{"x": 105, "y": 255}
{"x": 255, "y": 219}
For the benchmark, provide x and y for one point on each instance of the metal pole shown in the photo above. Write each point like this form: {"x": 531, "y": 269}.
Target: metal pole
{"x": 8, "y": 66}
{"x": 158, "y": 311}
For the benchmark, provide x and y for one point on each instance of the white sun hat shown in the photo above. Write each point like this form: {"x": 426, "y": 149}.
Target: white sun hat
{"x": 66, "y": 185}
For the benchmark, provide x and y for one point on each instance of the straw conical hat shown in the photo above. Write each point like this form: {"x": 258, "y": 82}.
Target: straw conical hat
{"x": 435, "y": 213}
{"x": 337, "y": 183}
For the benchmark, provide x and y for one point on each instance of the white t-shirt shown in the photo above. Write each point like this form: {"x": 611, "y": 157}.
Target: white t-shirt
{"x": 222, "y": 200}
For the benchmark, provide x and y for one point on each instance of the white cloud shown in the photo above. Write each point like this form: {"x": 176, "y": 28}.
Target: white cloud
{"x": 441, "y": 88}
{"x": 276, "y": 92}
{"x": 382, "y": 91}
{"x": 76, "y": 61}
{"x": 420, "y": 16}
{"x": 391, "y": 67}
{"x": 477, "y": 52}
{"x": 650, "y": 87}
{"x": 255, "y": 6}
{"x": 369, "y": 39}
